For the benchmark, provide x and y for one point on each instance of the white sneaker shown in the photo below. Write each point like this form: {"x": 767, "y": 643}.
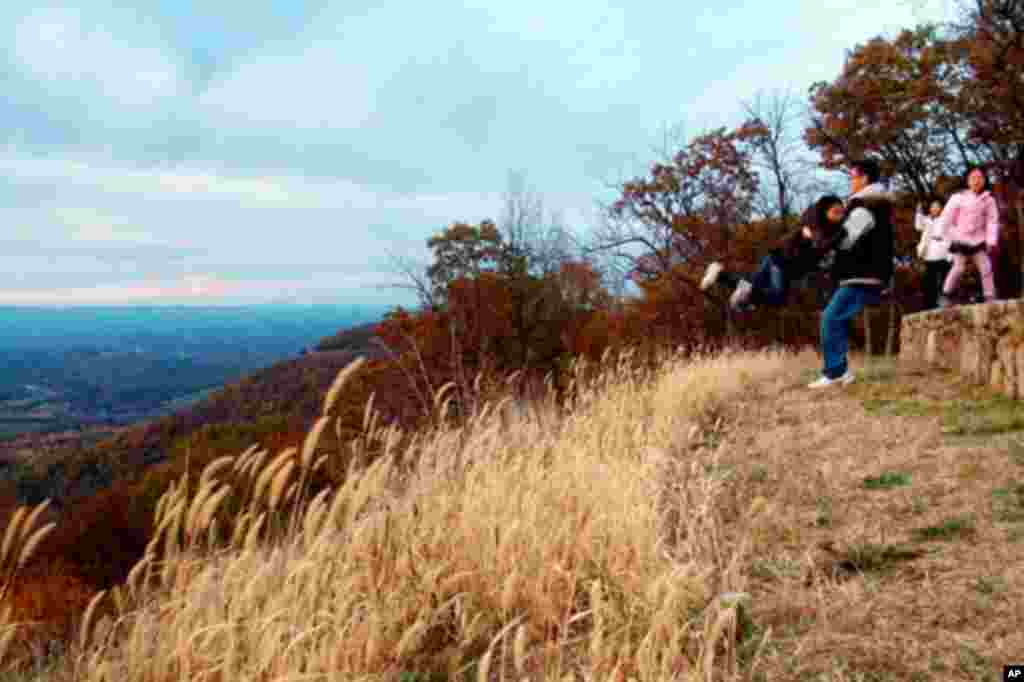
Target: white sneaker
{"x": 711, "y": 276}
{"x": 824, "y": 382}
{"x": 742, "y": 293}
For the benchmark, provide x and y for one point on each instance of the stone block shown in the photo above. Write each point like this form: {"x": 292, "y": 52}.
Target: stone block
{"x": 986, "y": 356}
{"x": 970, "y": 356}
{"x": 1006, "y": 353}
{"x": 996, "y": 376}
{"x": 980, "y": 314}
{"x": 1019, "y": 354}
{"x": 983, "y": 342}
{"x": 931, "y": 347}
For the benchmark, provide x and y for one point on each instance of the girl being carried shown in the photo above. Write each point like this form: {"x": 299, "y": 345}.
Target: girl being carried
{"x": 794, "y": 257}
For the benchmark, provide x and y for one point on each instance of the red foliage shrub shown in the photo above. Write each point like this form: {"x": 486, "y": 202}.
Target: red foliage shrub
{"x": 47, "y": 600}
{"x": 100, "y": 538}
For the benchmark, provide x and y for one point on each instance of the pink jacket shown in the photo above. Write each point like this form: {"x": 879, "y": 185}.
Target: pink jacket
{"x": 970, "y": 218}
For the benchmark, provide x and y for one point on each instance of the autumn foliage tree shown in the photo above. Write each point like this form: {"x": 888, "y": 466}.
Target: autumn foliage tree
{"x": 690, "y": 209}
{"x": 930, "y": 101}
{"x": 990, "y": 36}
{"x": 505, "y": 305}
{"x": 894, "y": 100}
{"x": 688, "y": 206}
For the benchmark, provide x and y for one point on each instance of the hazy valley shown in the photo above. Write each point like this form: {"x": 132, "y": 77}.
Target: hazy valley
{"x": 81, "y": 368}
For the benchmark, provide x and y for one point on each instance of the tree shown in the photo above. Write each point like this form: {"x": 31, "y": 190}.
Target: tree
{"x": 416, "y": 279}
{"x": 692, "y": 207}
{"x": 932, "y": 100}
{"x": 687, "y": 210}
{"x": 465, "y": 251}
{"x": 990, "y": 37}
{"x": 779, "y": 155}
{"x": 530, "y": 231}
{"x": 505, "y": 299}
{"x": 895, "y": 99}
{"x": 527, "y": 237}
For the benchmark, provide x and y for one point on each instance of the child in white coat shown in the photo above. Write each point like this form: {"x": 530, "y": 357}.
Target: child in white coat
{"x": 934, "y": 249}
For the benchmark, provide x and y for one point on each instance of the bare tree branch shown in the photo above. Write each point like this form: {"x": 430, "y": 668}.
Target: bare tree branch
{"x": 416, "y": 278}
{"x": 532, "y": 232}
{"x": 779, "y": 154}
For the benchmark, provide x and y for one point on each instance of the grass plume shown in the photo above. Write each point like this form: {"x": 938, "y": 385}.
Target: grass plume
{"x": 577, "y": 543}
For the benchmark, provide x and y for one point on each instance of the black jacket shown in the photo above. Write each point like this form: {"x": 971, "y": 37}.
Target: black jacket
{"x": 801, "y": 255}
{"x": 869, "y": 260}
{"x": 798, "y": 254}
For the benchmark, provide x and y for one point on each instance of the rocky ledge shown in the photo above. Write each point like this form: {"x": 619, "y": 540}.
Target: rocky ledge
{"x": 983, "y": 342}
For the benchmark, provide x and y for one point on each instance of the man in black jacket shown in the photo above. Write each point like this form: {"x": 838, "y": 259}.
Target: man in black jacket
{"x": 862, "y": 268}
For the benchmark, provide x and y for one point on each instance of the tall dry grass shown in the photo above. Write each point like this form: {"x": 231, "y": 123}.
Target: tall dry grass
{"x": 537, "y": 545}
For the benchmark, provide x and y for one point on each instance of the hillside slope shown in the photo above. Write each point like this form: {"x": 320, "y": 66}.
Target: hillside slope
{"x": 873, "y": 533}
{"x": 288, "y": 391}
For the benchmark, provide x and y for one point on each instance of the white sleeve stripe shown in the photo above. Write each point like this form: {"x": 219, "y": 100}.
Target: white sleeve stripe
{"x": 857, "y": 224}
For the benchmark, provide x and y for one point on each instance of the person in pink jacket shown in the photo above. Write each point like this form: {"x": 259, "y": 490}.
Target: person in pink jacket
{"x": 970, "y": 222}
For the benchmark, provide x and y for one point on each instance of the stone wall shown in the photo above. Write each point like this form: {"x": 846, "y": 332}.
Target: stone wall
{"x": 983, "y": 342}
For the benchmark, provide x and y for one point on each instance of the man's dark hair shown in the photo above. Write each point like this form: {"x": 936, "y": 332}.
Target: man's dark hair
{"x": 868, "y": 167}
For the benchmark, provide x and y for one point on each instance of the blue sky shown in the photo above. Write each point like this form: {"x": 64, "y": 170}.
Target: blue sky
{"x": 231, "y": 152}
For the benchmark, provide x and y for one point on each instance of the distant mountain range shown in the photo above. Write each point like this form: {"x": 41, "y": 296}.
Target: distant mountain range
{"x": 50, "y": 450}
{"x": 122, "y": 327}
{"x": 65, "y": 368}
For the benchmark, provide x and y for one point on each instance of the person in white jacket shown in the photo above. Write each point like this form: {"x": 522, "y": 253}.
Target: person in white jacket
{"x": 934, "y": 249}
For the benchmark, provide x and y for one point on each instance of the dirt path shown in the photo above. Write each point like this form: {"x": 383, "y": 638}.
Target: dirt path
{"x": 892, "y": 544}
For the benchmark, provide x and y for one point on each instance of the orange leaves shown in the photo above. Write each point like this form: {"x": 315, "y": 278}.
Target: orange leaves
{"x": 500, "y": 307}
{"x": 926, "y": 103}
{"x": 48, "y": 601}
{"x": 886, "y": 102}
{"x": 590, "y": 335}
{"x": 462, "y": 251}
{"x": 711, "y": 177}
{"x": 580, "y": 286}
{"x": 689, "y": 209}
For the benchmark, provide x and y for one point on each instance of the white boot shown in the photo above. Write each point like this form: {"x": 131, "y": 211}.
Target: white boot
{"x": 711, "y": 276}
{"x": 742, "y": 293}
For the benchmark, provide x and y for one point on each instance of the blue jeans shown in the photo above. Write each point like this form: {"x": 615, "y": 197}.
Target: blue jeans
{"x": 768, "y": 282}
{"x": 835, "y": 325}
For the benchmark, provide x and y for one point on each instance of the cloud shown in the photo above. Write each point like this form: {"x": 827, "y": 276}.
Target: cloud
{"x": 101, "y": 222}
{"x": 68, "y": 264}
{"x": 178, "y": 183}
{"x": 315, "y": 89}
{"x": 71, "y": 51}
{"x": 827, "y": 30}
{"x": 211, "y": 289}
{"x": 294, "y": 145}
{"x": 94, "y": 227}
{"x": 190, "y": 288}
{"x": 187, "y": 184}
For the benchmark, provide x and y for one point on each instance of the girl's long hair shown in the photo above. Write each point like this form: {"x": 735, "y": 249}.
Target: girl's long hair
{"x": 825, "y": 227}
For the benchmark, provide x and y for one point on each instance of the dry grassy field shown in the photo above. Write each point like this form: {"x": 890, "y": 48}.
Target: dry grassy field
{"x": 711, "y": 519}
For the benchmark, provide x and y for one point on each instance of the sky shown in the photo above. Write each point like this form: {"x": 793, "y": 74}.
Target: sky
{"x": 282, "y": 151}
